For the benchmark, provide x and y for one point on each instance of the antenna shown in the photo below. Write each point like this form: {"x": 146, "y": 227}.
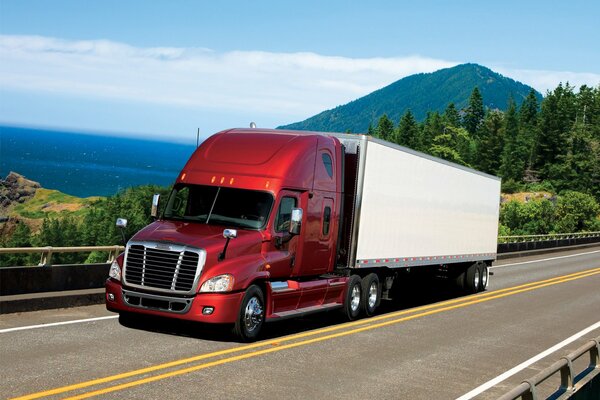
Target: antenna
{"x": 252, "y": 125}
{"x": 198, "y": 138}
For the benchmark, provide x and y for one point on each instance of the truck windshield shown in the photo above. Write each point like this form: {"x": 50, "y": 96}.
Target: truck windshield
{"x": 219, "y": 206}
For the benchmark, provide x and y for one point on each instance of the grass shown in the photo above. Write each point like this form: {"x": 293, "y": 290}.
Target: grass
{"x": 52, "y": 203}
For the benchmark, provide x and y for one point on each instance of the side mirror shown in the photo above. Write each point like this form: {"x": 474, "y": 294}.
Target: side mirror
{"x": 227, "y": 234}
{"x": 296, "y": 221}
{"x": 230, "y": 233}
{"x": 155, "y": 203}
{"x": 122, "y": 224}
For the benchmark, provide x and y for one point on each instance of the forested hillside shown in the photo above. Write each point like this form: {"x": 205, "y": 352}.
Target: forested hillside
{"x": 421, "y": 93}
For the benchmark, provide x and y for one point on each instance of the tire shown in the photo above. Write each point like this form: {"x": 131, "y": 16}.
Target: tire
{"x": 460, "y": 279}
{"x": 251, "y": 316}
{"x": 473, "y": 278}
{"x": 371, "y": 294}
{"x": 353, "y": 300}
{"x": 484, "y": 278}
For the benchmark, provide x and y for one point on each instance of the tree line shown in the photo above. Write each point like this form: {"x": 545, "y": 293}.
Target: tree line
{"x": 554, "y": 145}
{"x": 551, "y": 147}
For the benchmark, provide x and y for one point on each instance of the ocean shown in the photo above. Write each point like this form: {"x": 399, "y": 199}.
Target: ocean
{"x": 86, "y": 165}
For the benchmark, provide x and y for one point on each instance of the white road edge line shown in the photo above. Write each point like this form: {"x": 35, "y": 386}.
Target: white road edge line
{"x": 545, "y": 259}
{"x": 480, "y": 389}
{"x": 77, "y": 321}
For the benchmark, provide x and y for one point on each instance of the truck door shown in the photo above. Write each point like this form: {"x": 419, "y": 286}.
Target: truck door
{"x": 282, "y": 249}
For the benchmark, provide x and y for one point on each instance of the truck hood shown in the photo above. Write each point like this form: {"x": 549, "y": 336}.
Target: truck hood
{"x": 207, "y": 237}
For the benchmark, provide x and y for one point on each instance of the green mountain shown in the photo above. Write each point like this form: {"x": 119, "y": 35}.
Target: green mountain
{"x": 420, "y": 93}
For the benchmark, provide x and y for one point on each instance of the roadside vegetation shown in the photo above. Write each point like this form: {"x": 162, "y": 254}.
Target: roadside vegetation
{"x": 547, "y": 154}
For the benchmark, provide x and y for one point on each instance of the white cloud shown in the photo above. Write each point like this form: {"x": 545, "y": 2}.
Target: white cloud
{"x": 286, "y": 84}
{"x": 548, "y": 80}
{"x": 290, "y": 86}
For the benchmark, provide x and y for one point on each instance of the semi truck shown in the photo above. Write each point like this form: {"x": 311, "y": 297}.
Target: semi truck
{"x": 263, "y": 225}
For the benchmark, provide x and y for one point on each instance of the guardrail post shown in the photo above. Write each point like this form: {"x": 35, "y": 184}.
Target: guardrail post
{"x": 532, "y": 394}
{"x": 46, "y": 258}
{"x": 595, "y": 355}
{"x": 113, "y": 254}
{"x": 566, "y": 375}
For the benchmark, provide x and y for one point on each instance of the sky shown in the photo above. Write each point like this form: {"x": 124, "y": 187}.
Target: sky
{"x": 163, "y": 69}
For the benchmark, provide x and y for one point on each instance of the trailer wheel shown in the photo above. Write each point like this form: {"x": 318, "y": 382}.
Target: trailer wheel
{"x": 485, "y": 277}
{"x": 371, "y": 292}
{"x": 473, "y": 278}
{"x": 459, "y": 280}
{"x": 353, "y": 300}
{"x": 251, "y": 315}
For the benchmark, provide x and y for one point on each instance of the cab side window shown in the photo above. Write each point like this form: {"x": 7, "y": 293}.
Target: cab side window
{"x": 327, "y": 163}
{"x": 284, "y": 214}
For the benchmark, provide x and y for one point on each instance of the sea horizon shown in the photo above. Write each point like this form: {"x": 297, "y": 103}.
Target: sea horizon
{"x": 86, "y": 164}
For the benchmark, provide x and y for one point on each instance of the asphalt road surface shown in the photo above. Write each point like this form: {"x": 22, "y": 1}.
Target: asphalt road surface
{"x": 429, "y": 345}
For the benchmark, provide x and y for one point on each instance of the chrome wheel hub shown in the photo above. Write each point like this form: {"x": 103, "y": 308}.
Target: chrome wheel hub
{"x": 484, "y": 277}
{"x": 253, "y": 314}
{"x": 476, "y": 281}
{"x": 354, "y": 303}
{"x": 372, "y": 294}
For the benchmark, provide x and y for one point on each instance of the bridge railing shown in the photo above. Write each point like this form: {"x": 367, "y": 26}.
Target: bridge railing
{"x": 528, "y": 390}
{"x": 47, "y": 252}
{"x": 548, "y": 237}
{"x": 560, "y": 239}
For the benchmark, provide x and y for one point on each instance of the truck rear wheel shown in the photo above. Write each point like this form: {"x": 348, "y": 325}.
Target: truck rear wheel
{"x": 473, "y": 278}
{"x": 485, "y": 277}
{"x": 251, "y": 315}
{"x": 371, "y": 294}
{"x": 353, "y": 300}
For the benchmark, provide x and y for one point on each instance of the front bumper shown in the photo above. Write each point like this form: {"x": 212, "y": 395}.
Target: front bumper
{"x": 225, "y": 305}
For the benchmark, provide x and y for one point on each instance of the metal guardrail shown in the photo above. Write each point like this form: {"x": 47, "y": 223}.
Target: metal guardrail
{"x": 115, "y": 250}
{"x": 528, "y": 389}
{"x": 542, "y": 238}
{"x": 46, "y": 252}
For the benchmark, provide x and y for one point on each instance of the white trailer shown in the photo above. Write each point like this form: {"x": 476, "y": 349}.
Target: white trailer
{"x": 410, "y": 209}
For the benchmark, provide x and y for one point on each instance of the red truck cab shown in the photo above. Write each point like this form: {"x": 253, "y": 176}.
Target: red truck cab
{"x": 249, "y": 233}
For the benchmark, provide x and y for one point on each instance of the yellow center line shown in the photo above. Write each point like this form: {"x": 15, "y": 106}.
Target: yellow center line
{"x": 467, "y": 300}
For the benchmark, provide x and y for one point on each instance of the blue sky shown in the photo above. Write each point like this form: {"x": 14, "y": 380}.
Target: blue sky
{"x": 165, "y": 68}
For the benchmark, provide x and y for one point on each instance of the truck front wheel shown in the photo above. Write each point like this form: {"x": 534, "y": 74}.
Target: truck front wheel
{"x": 353, "y": 300}
{"x": 251, "y": 315}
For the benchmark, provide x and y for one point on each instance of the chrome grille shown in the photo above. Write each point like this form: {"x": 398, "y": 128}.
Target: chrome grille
{"x": 162, "y": 267}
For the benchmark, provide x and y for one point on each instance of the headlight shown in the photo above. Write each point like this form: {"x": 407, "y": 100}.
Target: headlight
{"x": 115, "y": 271}
{"x": 220, "y": 283}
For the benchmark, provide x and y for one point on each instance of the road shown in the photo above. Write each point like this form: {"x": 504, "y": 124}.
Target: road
{"x": 430, "y": 344}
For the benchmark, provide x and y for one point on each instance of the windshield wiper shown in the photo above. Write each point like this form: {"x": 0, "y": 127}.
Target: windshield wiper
{"x": 213, "y": 205}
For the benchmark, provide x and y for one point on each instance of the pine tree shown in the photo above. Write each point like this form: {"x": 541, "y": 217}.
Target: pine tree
{"x": 451, "y": 116}
{"x": 529, "y": 125}
{"x": 515, "y": 151}
{"x": 474, "y": 113}
{"x": 556, "y": 119}
{"x": 492, "y": 142}
{"x": 409, "y": 134}
{"x": 432, "y": 126}
{"x": 385, "y": 129}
